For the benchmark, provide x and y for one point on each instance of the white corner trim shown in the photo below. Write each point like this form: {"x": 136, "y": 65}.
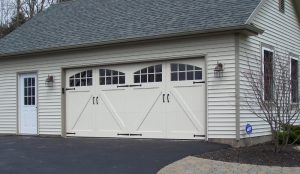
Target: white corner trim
{"x": 254, "y": 13}
{"x": 237, "y": 86}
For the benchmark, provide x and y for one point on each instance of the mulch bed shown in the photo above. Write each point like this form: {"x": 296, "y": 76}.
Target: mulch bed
{"x": 262, "y": 154}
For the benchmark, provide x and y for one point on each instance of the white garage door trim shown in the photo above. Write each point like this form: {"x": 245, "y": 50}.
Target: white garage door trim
{"x": 174, "y": 93}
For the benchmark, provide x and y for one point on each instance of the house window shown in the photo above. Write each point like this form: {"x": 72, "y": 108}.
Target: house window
{"x": 268, "y": 74}
{"x": 84, "y": 78}
{"x": 294, "y": 80}
{"x": 111, "y": 77}
{"x": 149, "y": 74}
{"x": 282, "y": 6}
{"x": 182, "y": 72}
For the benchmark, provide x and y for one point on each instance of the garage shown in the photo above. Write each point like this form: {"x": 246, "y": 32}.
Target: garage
{"x": 141, "y": 100}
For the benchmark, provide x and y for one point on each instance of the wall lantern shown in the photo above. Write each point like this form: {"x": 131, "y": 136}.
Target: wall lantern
{"x": 218, "y": 71}
{"x": 49, "y": 81}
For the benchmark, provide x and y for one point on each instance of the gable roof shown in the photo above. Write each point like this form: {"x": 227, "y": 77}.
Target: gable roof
{"x": 81, "y": 23}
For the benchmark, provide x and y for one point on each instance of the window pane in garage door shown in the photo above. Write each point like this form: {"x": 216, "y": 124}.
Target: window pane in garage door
{"x": 182, "y": 72}
{"x": 111, "y": 77}
{"x": 149, "y": 74}
{"x": 84, "y": 78}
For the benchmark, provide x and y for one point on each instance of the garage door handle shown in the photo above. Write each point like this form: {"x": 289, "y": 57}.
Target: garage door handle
{"x": 97, "y": 100}
{"x": 168, "y": 98}
{"x": 164, "y": 98}
{"x": 93, "y": 100}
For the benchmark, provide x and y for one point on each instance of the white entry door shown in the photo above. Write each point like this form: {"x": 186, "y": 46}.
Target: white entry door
{"x": 163, "y": 99}
{"x": 28, "y": 104}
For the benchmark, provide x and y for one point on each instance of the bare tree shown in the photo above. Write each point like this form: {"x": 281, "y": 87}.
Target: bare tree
{"x": 272, "y": 94}
{"x": 32, "y": 7}
{"x": 16, "y": 12}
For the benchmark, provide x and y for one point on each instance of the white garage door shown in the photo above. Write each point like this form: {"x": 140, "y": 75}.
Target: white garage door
{"x": 144, "y": 100}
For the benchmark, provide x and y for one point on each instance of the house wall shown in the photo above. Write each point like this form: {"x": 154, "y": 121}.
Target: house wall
{"x": 282, "y": 32}
{"x": 221, "y": 93}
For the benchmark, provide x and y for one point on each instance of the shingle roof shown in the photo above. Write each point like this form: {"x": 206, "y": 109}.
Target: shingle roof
{"x": 81, "y": 22}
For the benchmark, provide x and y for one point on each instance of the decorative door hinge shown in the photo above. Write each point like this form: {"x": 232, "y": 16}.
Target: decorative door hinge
{"x": 123, "y": 134}
{"x": 63, "y": 90}
{"x": 136, "y": 134}
{"x": 198, "y": 82}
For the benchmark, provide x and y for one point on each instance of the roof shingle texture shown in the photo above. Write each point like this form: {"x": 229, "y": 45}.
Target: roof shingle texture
{"x": 80, "y": 22}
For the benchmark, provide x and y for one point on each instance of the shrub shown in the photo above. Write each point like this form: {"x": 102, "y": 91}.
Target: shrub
{"x": 294, "y": 135}
{"x": 297, "y": 136}
{"x": 296, "y": 128}
{"x": 291, "y": 127}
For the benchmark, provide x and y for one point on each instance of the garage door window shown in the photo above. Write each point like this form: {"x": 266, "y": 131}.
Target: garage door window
{"x": 111, "y": 77}
{"x": 182, "y": 72}
{"x": 84, "y": 78}
{"x": 149, "y": 74}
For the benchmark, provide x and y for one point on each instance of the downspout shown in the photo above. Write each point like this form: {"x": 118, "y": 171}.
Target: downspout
{"x": 237, "y": 85}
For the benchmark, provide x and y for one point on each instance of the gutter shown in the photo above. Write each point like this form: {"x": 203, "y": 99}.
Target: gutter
{"x": 245, "y": 28}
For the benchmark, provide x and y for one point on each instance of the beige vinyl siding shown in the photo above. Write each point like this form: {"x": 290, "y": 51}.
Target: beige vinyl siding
{"x": 283, "y": 33}
{"x": 221, "y": 93}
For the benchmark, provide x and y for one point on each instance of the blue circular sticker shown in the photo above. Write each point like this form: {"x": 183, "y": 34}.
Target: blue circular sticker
{"x": 249, "y": 129}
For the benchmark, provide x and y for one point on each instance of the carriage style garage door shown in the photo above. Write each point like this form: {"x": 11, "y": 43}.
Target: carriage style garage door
{"x": 144, "y": 100}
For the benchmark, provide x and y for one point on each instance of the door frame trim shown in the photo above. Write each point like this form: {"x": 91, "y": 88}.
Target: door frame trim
{"x": 18, "y": 124}
{"x": 109, "y": 62}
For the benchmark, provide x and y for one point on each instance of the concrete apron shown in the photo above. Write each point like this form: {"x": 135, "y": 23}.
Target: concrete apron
{"x": 193, "y": 165}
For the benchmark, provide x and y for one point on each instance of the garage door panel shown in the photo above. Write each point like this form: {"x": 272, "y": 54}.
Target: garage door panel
{"x": 113, "y": 102}
{"x": 82, "y": 114}
{"x": 151, "y": 120}
{"x": 107, "y": 120}
{"x": 143, "y": 102}
{"x": 179, "y": 118}
{"x": 188, "y": 98}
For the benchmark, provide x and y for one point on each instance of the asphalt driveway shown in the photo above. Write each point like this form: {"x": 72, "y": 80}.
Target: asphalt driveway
{"x": 36, "y": 155}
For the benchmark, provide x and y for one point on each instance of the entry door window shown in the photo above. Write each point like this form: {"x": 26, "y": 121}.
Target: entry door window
{"x": 29, "y": 91}
{"x": 182, "y": 72}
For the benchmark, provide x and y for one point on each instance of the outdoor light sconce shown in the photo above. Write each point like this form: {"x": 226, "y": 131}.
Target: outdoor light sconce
{"x": 49, "y": 81}
{"x": 218, "y": 71}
